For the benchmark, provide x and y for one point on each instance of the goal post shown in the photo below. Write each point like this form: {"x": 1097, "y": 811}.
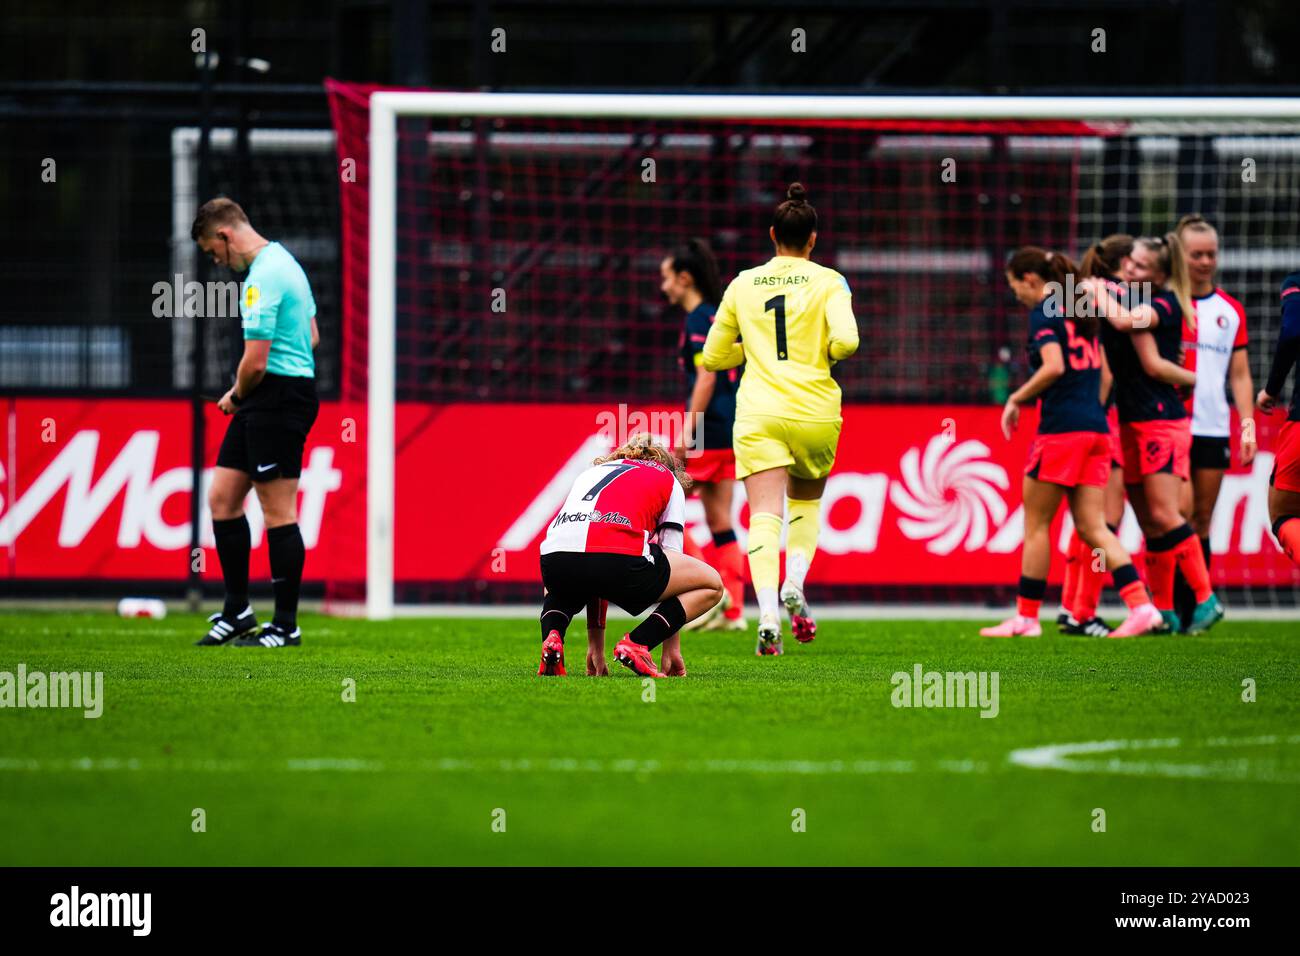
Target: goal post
{"x": 381, "y": 406}
{"x": 386, "y": 109}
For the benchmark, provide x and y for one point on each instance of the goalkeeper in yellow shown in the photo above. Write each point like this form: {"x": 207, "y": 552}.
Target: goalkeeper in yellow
{"x": 788, "y": 320}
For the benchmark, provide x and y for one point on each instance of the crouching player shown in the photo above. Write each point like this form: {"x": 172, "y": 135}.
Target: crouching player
{"x": 1284, "y": 483}
{"x": 1071, "y": 453}
{"x": 599, "y": 547}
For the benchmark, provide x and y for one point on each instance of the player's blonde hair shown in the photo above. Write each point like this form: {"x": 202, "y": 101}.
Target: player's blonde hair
{"x": 1168, "y": 251}
{"x": 1195, "y": 222}
{"x": 643, "y": 447}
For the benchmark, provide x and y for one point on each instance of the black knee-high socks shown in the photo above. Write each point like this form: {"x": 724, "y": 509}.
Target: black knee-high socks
{"x": 287, "y": 558}
{"x": 664, "y": 621}
{"x": 234, "y": 541}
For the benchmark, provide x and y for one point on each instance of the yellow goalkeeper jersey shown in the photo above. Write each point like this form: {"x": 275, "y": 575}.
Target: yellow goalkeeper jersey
{"x": 794, "y": 318}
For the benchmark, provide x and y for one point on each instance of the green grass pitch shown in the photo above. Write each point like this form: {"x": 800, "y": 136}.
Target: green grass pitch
{"x": 451, "y": 732}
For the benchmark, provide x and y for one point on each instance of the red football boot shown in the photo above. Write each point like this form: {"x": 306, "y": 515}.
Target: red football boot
{"x": 802, "y": 625}
{"x": 636, "y": 657}
{"x": 552, "y": 656}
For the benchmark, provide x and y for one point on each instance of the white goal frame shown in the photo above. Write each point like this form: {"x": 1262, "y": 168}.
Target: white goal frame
{"x": 386, "y": 107}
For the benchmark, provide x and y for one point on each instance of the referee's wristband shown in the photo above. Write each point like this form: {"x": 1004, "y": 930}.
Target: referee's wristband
{"x": 235, "y": 399}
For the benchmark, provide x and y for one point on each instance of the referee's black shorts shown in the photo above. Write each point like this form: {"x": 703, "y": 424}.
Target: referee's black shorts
{"x": 629, "y": 581}
{"x": 266, "y": 434}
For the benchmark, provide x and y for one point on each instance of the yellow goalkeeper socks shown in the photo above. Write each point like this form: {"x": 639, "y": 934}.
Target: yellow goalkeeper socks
{"x": 765, "y": 559}
{"x": 801, "y": 538}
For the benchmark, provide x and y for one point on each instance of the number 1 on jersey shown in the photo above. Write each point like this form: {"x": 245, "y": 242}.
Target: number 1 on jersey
{"x": 777, "y": 304}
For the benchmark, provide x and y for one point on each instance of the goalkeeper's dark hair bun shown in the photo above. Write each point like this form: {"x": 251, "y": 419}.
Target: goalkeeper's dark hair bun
{"x": 795, "y": 219}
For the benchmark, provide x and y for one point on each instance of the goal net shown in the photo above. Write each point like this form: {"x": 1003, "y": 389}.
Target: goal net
{"x": 501, "y": 258}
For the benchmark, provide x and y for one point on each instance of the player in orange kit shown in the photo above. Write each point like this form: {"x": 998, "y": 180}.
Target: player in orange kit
{"x": 690, "y": 280}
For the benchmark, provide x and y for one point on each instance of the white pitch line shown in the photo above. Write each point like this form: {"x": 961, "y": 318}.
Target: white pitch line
{"x": 1058, "y": 757}
{"x": 1049, "y": 757}
{"x": 492, "y": 765}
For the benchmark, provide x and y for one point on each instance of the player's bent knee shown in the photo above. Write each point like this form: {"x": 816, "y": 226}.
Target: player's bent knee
{"x": 714, "y": 583}
{"x": 707, "y": 578}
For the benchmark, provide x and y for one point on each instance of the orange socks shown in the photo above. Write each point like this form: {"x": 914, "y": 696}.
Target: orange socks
{"x": 728, "y": 561}
{"x": 1179, "y": 549}
{"x": 1287, "y": 531}
{"x": 1130, "y": 586}
{"x": 1087, "y": 590}
{"x": 1160, "y": 575}
{"x": 1191, "y": 561}
{"x": 731, "y": 565}
{"x": 1070, "y": 585}
{"x": 1134, "y": 595}
{"x": 1029, "y": 596}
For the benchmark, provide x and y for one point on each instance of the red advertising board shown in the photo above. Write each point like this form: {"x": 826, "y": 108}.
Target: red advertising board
{"x": 927, "y": 494}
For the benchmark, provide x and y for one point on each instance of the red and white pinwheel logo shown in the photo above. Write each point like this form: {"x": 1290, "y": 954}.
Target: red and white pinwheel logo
{"x": 951, "y": 495}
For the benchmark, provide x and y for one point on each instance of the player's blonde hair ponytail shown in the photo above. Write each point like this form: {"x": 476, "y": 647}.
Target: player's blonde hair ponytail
{"x": 1168, "y": 251}
{"x": 643, "y": 447}
{"x": 1180, "y": 280}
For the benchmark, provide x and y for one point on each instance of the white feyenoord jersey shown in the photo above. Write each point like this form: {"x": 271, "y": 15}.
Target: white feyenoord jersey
{"x": 616, "y": 507}
{"x": 1220, "y": 331}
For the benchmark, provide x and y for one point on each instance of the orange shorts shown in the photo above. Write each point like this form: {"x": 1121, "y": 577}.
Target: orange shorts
{"x": 1116, "y": 446}
{"x": 1153, "y": 447}
{"x": 1286, "y": 462}
{"x": 1070, "y": 458}
{"x": 712, "y": 464}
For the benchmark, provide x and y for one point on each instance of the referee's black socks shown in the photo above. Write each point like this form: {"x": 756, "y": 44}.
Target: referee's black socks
{"x": 287, "y": 557}
{"x": 233, "y": 544}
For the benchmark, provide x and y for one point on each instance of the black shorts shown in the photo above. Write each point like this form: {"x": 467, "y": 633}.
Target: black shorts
{"x": 266, "y": 434}
{"x": 1210, "y": 452}
{"x": 628, "y": 581}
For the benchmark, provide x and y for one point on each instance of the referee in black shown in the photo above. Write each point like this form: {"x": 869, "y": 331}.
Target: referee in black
{"x": 272, "y": 406}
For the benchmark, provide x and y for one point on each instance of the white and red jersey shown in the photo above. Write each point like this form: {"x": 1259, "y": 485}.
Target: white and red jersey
{"x": 1220, "y": 331}
{"x": 615, "y": 508}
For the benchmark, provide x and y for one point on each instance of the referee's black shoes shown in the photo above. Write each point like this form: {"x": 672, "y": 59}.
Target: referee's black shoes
{"x": 271, "y": 635}
{"x": 226, "y": 629}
